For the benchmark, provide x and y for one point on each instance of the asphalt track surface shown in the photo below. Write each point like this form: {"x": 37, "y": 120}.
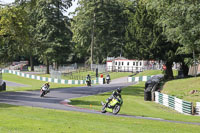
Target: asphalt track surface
{"x": 59, "y": 98}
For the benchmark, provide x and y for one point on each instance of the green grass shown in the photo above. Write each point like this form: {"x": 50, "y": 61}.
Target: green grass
{"x": 16, "y": 119}
{"x": 82, "y": 75}
{"x": 115, "y": 75}
{"x": 134, "y": 104}
{"x": 154, "y": 72}
{"x": 149, "y": 73}
{"x": 32, "y": 84}
{"x": 181, "y": 88}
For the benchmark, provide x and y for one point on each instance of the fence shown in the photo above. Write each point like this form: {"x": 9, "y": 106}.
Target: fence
{"x": 53, "y": 80}
{"x": 174, "y": 103}
{"x": 124, "y": 69}
{"x": 197, "y": 109}
{"x": 137, "y": 79}
{"x": 65, "y": 69}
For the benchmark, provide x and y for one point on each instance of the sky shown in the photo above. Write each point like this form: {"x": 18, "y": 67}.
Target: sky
{"x": 71, "y": 9}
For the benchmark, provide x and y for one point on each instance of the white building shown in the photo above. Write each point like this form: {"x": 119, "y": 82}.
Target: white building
{"x": 121, "y": 64}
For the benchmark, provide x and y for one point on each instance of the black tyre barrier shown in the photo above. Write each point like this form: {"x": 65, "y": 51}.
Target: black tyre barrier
{"x": 147, "y": 96}
{"x": 3, "y": 86}
{"x": 152, "y": 85}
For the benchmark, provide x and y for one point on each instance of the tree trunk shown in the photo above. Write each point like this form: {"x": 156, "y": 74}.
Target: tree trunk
{"x": 47, "y": 63}
{"x": 56, "y": 66}
{"x": 185, "y": 69}
{"x": 168, "y": 74}
{"x": 93, "y": 35}
{"x": 92, "y": 42}
{"x": 31, "y": 63}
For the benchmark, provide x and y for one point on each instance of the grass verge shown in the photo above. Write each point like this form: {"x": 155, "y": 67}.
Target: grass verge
{"x": 154, "y": 72}
{"x": 17, "y": 119}
{"x": 182, "y": 89}
{"x": 134, "y": 104}
{"x": 32, "y": 84}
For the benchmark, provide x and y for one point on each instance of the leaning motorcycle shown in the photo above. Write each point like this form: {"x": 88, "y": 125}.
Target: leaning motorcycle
{"x": 113, "y": 106}
{"x": 44, "y": 91}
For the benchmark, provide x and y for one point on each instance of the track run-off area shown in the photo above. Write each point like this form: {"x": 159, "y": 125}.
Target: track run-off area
{"x": 59, "y": 98}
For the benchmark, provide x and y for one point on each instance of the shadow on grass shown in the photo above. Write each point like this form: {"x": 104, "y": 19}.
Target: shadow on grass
{"x": 3, "y": 105}
{"x": 82, "y": 102}
{"x": 134, "y": 90}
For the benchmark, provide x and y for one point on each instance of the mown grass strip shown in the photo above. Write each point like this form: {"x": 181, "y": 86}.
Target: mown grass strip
{"x": 16, "y": 119}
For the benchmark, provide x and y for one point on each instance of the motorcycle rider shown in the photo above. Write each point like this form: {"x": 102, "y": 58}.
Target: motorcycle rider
{"x": 46, "y": 86}
{"x": 108, "y": 78}
{"x": 88, "y": 79}
{"x": 115, "y": 94}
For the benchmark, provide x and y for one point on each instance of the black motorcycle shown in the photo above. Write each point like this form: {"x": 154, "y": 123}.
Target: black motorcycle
{"x": 107, "y": 81}
{"x": 88, "y": 82}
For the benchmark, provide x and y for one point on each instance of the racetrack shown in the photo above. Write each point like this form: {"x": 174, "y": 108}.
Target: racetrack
{"x": 57, "y": 98}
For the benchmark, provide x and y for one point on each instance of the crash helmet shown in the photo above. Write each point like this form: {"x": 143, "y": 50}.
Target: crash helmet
{"x": 119, "y": 90}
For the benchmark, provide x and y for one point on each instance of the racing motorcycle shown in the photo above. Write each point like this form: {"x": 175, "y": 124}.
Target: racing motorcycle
{"x": 113, "y": 106}
{"x": 88, "y": 82}
{"x": 107, "y": 81}
{"x": 44, "y": 91}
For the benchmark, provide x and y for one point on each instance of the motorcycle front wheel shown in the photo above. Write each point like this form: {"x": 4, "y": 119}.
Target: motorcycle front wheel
{"x": 42, "y": 94}
{"x": 116, "y": 109}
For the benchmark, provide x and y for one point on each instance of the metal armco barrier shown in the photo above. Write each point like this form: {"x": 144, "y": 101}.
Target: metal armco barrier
{"x": 53, "y": 80}
{"x": 174, "y": 103}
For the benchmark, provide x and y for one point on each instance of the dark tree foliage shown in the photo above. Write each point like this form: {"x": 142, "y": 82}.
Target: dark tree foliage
{"x": 105, "y": 21}
{"x": 145, "y": 39}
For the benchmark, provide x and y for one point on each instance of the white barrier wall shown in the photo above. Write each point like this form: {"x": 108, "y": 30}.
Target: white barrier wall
{"x": 174, "y": 103}
{"x": 53, "y": 80}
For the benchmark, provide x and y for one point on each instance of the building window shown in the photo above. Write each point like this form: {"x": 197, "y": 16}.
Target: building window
{"x": 122, "y": 63}
{"x": 140, "y": 63}
{"x": 136, "y": 63}
{"x": 127, "y": 63}
{"x": 133, "y": 63}
{"x": 116, "y": 63}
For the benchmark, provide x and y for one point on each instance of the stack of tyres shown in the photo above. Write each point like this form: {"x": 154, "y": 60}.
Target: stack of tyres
{"x": 151, "y": 85}
{"x": 147, "y": 94}
{"x": 3, "y": 86}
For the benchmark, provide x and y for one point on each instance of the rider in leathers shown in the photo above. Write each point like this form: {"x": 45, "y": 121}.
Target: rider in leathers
{"x": 115, "y": 94}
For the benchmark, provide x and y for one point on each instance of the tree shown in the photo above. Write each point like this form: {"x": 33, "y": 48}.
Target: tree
{"x": 13, "y": 32}
{"x": 52, "y": 31}
{"x": 145, "y": 39}
{"x": 29, "y": 7}
{"x": 180, "y": 22}
{"x": 99, "y": 26}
